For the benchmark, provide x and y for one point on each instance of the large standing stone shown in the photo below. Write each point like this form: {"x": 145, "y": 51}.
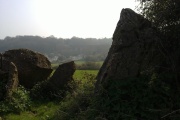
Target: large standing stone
{"x": 135, "y": 49}
{"x": 32, "y": 66}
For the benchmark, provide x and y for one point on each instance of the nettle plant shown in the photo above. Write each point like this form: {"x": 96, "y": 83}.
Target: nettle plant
{"x": 18, "y": 102}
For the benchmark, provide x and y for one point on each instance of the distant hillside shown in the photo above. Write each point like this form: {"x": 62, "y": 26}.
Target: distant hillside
{"x": 59, "y": 48}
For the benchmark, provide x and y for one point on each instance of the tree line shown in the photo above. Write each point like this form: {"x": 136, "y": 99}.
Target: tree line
{"x": 62, "y": 49}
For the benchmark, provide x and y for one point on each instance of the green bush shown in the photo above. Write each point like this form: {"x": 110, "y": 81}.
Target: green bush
{"x": 19, "y": 102}
{"x": 146, "y": 98}
{"x": 40, "y": 91}
{"x": 3, "y": 82}
{"x": 45, "y": 91}
{"x": 73, "y": 105}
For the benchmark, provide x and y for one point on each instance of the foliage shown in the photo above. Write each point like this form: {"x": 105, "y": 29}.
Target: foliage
{"x": 3, "y": 82}
{"x": 144, "y": 98}
{"x": 78, "y": 101}
{"x": 165, "y": 17}
{"x": 40, "y": 91}
{"x": 162, "y": 13}
{"x": 45, "y": 91}
{"x": 40, "y": 110}
{"x": 19, "y": 101}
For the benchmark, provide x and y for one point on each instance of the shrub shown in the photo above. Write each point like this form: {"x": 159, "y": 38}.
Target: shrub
{"x": 40, "y": 91}
{"x": 19, "y": 102}
{"x": 78, "y": 100}
{"x": 144, "y": 98}
{"x": 45, "y": 91}
{"x": 3, "y": 82}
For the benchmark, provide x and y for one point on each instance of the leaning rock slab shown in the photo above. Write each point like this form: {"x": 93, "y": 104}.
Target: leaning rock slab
{"x": 62, "y": 75}
{"x": 57, "y": 85}
{"x": 32, "y": 66}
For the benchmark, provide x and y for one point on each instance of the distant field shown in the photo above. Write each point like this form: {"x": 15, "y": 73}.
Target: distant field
{"x": 80, "y": 74}
{"x": 55, "y": 65}
{"x": 81, "y": 62}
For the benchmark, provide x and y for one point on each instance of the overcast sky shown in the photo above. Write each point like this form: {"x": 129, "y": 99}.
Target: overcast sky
{"x": 61, "y": 18}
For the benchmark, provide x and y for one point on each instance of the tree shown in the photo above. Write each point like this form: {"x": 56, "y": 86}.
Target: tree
{"x": 164, "y": 14}
{"x": 165, "y": 17}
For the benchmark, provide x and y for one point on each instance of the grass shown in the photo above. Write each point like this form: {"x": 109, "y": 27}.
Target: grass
{"x": 54, "y": 65}
{"x": 79, "y": 74}
{"x": 45, "y": 110}
{"x": 39, "y": 111}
